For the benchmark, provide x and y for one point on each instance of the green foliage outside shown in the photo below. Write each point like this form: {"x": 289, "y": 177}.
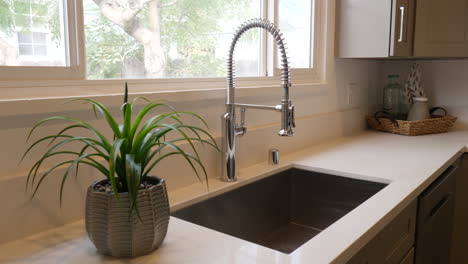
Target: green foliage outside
{"x": 187, "y": 29}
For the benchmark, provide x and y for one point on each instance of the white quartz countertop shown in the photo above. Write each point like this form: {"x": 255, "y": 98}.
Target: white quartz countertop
{"x": 408, "y": 164}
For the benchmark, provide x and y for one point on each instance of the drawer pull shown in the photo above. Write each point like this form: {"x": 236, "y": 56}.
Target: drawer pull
{"x": 439, "y": 205}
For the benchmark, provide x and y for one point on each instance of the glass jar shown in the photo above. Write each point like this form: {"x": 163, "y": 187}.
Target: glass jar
{"x": 393, "y": 98}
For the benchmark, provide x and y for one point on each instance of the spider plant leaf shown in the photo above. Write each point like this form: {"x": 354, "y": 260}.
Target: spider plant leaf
{"x": 98, "y": 134}
{"x": 107, "y": 115}
{"x": 197, "y": 139}
{"x": 150, "y": 156}
{"x": 113, "y": 163}
{"x": 148, "y": 170}
{"x": 47, "y": 173}
{"x": 35, "y": 168}
{"x": 37, "y": 163}
{"x": 98, "y": 166}
{"x": 67, "y": 172}
{"x": 187, "y": 138}
{"x": 39, "y": 141}
{"x": 126, "y": 93}
{"x": 51, "y": 149}
{"x": 147, "y": 108}
{"x": 102, "y": 168}
{"x": 133, "y": 151}
{"x": 196, "y": 116}
{"x": 159, "y": 128}
{"x": 92, "y": 143}
{"x": 133, "y": 174}
{"x": 95, "y": 111}
{"x": 127, "y": 113}
{"x": 65, "y": 130}
{"x": 140, "y": 98}
{"x": 194, "y": 128}
{"x": 52, "y": 169}
{"x": 186, "y": 157}
{"x": 82, "y": 151}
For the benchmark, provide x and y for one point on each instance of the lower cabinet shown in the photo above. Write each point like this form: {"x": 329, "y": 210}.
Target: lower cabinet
{"x": 435, "y": 220}
{"x": 394, "y": 244}
{"x": 459, "y": 249}
{"x": 421, "y": 233}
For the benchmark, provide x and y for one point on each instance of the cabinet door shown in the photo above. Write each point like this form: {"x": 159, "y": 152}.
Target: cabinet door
{"x": 435, "y": 220}
{"x": 392, "y": 244}
{"x": 441, "y": 28}
{"x": 402, "y": 33}
{"x": 460, "y": 226}
{"x": 363, "y": 28}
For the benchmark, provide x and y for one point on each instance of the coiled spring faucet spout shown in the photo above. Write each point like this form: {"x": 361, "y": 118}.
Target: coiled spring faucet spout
{"x": 230, "y": 127}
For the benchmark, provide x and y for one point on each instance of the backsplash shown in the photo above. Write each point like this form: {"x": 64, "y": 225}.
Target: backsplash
{"x": 322, "y": 113}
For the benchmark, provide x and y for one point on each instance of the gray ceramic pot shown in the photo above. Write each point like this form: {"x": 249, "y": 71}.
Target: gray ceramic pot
{"x": 114, "y": 233}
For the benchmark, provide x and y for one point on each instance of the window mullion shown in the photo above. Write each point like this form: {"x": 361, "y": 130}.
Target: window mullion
{"x": 263, "y": 65}
{"x": 272, "y": 15}
{"x": 76, "y": 44}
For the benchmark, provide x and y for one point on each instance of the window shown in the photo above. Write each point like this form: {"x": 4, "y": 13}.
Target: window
{"x": 189, "y": 39}
{"x": 296, "y": 20}
{"x": 169, "y": 39}
{"x": 154, "y": 39}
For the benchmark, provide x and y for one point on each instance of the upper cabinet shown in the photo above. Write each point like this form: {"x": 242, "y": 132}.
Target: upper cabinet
{"x": 402, "y": 28}
{"x": 441, "y": 28}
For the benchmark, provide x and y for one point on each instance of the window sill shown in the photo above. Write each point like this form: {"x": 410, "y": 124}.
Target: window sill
{"x": 35, "y": 90}
{"x": 28, "y": 97}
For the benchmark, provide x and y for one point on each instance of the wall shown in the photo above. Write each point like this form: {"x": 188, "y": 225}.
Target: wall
{"x": 322, "y": 113}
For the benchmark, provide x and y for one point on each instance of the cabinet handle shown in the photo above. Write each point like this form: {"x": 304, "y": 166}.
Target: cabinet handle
{"x": 402, "y": 23}
{"x": 439, "y": 205}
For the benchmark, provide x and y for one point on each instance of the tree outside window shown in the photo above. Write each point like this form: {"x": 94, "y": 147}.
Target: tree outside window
{"x": 150, "y": 38}
{"x": 166, "y": 38}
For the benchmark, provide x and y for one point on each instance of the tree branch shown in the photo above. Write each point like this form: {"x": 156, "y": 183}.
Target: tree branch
{"x": 121, "y": 12}
{"x": 168, "y": 4}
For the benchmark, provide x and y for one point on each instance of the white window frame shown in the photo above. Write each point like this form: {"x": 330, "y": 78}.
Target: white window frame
{"x": 75, "y": 74}
{"x": 314, "y": 74}
{"x": 75, "y": 61}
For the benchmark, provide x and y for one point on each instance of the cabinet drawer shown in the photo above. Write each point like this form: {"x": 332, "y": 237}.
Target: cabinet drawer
{"x": 393, "y": 243}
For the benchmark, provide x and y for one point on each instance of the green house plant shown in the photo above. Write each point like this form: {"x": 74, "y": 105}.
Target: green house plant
{"x": 127, "y": 213}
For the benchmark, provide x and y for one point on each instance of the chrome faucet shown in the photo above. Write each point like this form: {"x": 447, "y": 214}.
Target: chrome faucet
{"x": 230, "y": 126}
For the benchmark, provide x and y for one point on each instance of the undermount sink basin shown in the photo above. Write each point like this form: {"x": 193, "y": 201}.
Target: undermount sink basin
{"x": 283, "y": 211}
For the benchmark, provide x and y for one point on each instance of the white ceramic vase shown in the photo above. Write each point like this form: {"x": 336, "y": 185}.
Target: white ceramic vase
{"x": 419, "y": 110}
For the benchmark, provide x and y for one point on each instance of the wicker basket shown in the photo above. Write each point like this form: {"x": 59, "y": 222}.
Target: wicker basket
{"x": 437, "y": 124}
{"x": 114, "y": 233}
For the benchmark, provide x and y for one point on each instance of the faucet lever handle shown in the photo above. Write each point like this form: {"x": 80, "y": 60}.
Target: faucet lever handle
{"x": 292, "y": 116}
{"x": 241, "y": 129}
{"x": 242, "y": 112}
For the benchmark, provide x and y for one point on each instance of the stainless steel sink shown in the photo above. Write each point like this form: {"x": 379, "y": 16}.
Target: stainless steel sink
{"x": 282, "y": 211}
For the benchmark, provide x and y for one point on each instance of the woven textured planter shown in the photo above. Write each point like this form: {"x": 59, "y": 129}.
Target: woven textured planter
{"x": 114, "y": 233}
